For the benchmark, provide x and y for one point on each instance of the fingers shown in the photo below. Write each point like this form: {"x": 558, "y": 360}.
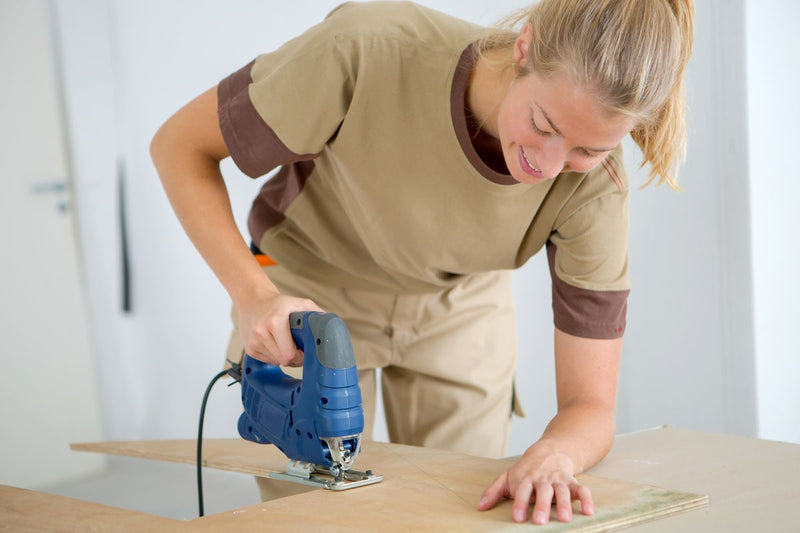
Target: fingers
{"x": 542, "y": 495}
{"x": 563, "y": 502}
{"x": 297, "y": 360}
{"x": 521, "y": 501}
{"x": 285, "y": 349}
{"x": 276, "y": 348}
{"x": 545, "y": 494}
{"x": 271, "y": 341}
{"x": 584, "y": 495}
{"x": 496, "y": 492}
{"x": 563, "y": 495}
{"x": 266, "y": 330}
{"x": 544, "y": 499}
{"x": 539, "y": 483}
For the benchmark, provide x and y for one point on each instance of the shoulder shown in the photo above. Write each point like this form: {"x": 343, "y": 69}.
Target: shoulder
{"x": 396, "y": 20}
{"x": 605, "y": 185}
{"x": 609, "y": 177}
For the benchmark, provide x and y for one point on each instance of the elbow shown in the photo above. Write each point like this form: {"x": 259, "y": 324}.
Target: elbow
{"x": 157, "y": 145}
{"x": 190, "y": 136}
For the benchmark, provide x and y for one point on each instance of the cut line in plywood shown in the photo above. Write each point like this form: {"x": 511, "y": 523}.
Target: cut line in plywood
{"x": 423, "y": 490}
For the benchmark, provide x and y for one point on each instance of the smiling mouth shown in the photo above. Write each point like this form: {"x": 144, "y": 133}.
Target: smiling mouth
{"x": 531, "y": 169}
{"x": 530, "y": 164}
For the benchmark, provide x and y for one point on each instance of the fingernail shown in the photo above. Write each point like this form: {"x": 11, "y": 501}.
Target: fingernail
{"x": 483, "y": 501}
{"x": 539, "y": 517}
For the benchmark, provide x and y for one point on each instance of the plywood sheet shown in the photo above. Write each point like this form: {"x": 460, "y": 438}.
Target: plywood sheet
{"x": 24, "y": 510}
{"x": 423, "y": 490}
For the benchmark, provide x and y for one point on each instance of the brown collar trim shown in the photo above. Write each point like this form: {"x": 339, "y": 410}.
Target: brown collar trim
{"x": 458, "y": 114}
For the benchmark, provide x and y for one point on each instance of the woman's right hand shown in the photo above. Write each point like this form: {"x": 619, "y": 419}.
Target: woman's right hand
{"x": 264, "y": 327}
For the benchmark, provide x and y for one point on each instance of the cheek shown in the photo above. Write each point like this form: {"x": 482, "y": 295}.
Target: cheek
{"x": 510, "y": 124}
{"x": 518, "y": 131}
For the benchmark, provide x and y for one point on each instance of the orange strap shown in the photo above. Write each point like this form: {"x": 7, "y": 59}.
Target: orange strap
{"x": 265, "y": 260}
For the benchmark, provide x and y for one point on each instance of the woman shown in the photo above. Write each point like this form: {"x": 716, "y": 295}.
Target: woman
{"x": 421, "y": 159}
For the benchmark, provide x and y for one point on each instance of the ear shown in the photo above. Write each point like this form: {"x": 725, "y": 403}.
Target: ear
{"x": 522, "y": 45}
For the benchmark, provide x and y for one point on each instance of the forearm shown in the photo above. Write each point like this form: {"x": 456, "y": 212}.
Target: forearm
{"x": 188, "y": 165}
{"x": 202, "y": 205}
{"x": 586, "y": 384}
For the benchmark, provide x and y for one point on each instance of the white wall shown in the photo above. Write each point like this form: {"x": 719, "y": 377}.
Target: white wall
{"x": 688, "y": 354}
{"x": 48, "y": 394}
{"x": 773, "y": 83}
{"x": 687, "y": 358}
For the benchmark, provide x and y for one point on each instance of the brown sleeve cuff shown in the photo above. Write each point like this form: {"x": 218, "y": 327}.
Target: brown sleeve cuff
{"x": 253, "y": 145}
{"x": 583, "y": 312}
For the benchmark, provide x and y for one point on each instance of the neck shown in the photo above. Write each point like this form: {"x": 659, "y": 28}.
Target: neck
{"x": 491, "y": 76}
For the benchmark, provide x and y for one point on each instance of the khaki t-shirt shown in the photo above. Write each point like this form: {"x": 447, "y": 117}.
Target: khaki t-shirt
{"x": 379, "y": 186}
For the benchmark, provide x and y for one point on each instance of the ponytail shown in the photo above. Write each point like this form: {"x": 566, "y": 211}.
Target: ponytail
{"x": 663, "y": 140}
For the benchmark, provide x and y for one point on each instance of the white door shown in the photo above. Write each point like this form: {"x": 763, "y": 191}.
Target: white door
{"x": 47, "y": 388}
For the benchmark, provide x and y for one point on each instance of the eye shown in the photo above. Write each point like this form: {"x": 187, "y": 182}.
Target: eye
{"x": 591, "y": 155}
{"x": 536, "y": 128}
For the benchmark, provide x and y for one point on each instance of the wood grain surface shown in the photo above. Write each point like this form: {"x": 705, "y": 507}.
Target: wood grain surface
{"x": 423, "y": 490}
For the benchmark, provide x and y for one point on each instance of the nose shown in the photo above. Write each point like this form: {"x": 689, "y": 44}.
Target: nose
{"x": 551, "y": 160}
{"x": 550, "y": 172}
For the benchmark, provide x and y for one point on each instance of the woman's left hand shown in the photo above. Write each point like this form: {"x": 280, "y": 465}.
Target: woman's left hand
{"x": 539, "y": 477}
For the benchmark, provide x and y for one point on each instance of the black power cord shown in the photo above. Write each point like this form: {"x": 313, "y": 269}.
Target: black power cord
{"x": 235, "y": 371}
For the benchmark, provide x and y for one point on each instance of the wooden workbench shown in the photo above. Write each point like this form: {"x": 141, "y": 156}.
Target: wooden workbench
{"x": 751, "y": 483}
{"x": 748, "y": 481}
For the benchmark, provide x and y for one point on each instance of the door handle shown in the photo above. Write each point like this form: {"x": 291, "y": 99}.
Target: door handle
{"x": 59, "y": 187}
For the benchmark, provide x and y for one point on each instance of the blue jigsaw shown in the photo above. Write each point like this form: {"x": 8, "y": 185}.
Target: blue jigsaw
{"x": 317, "y": 421}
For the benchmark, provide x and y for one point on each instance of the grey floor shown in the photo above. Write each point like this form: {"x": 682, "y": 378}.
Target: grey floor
{"x": 163, "y": 489}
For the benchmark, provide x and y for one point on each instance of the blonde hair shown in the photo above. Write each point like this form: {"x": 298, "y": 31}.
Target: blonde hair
{"x": 631, "y": 54}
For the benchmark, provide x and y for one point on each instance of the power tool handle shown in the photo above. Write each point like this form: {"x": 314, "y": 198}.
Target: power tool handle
{"x": 323, "y": 336}
{"x": 296, "y": 326}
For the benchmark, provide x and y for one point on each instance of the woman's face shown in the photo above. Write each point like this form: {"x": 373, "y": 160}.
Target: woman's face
{"x": 547, "y": 126}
